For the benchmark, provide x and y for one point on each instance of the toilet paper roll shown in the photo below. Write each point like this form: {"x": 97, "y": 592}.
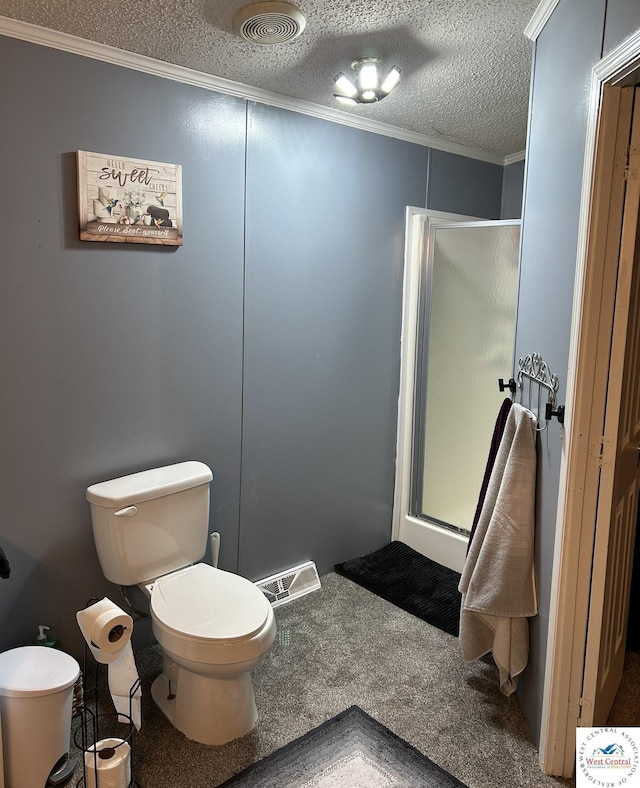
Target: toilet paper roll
{"x": 107, "y": 630}
{"x": 107, "y": 764}
{"x": 123, "y": 674}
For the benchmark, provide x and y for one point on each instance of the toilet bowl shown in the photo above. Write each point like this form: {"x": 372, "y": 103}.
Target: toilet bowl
{"x": 214, "y": 627}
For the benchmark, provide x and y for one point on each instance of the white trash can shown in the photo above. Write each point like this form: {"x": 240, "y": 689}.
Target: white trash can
{"x": 36, "y": 699}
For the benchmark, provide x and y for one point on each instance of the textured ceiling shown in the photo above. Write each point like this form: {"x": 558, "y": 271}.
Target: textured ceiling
{"x": 465, "y": 63}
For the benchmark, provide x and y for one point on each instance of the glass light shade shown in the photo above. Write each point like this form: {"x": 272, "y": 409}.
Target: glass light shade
{"x": 390, "y": 81}
{"x": 367, "y": 76}
{"x": 345, "y": 99}
{"x": 368, "y": 95}
{"x": 345, "y": 85}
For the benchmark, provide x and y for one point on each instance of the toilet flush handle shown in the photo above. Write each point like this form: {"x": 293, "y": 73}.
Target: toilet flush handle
{"x": 128, "y": 511}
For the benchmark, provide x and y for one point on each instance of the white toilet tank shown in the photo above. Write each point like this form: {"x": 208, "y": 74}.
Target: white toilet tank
{"x": 151, "y": 523}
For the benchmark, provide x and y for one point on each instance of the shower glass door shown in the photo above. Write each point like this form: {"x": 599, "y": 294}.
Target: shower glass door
{"x": 465, "y": 342}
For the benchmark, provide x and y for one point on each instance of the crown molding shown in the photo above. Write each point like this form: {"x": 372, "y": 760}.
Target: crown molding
{"x": 512, "y": 158}
{"x": 79, "y": 46}
{"x": 540, "y": 18}
{"x": 621, "y": 62}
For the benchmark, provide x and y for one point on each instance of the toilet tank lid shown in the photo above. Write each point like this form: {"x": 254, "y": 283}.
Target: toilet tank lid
{"x": 145, "y": 485}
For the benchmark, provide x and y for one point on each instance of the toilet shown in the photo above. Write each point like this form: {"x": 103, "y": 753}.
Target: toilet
{"x": 214, "y": 627}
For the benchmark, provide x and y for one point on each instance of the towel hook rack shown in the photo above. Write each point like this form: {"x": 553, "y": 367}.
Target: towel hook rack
{"x": 536, "y": 370}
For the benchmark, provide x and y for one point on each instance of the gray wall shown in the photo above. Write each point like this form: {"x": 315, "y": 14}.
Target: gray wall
{"x": 565, "y": 52}
{"x": 466, "y": 186}
{"x": 267, "y": 346}
{"x": 622, "y": 19}
{"x": 512, "y": 188}
{"x": 113, "y": 357}
{"x": 325, "y": 238}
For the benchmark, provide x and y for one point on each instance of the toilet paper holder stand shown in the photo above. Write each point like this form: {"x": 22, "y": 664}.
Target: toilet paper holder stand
{"x": 89, "y": 720}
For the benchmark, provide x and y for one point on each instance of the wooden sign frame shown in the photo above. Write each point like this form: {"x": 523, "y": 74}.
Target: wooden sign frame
{"x": 125, "y": 200}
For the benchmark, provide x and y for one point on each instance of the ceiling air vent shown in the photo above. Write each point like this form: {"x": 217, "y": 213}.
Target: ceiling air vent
{"x": 269, "y": 23}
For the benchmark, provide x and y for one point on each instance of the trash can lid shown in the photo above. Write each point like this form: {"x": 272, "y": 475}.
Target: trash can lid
{"x": 36, "y": 670}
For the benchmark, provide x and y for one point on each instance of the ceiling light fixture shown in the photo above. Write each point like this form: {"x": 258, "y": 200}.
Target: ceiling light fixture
{"x": 368, "y": 87}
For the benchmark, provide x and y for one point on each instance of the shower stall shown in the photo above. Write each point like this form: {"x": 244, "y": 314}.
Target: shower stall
{"x": 460, "y": 292}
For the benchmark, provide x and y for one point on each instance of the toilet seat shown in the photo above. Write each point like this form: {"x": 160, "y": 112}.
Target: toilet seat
{"x": 204, "y": 604}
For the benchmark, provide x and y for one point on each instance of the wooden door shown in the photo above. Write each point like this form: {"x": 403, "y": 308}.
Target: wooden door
{"x": 620, "y": 473}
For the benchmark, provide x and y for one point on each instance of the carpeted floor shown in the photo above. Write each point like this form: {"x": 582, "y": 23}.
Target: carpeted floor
{"x": 343, "y": 646}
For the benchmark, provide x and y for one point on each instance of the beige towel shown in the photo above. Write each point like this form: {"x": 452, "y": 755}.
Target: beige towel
{"x": 497, "y": 582}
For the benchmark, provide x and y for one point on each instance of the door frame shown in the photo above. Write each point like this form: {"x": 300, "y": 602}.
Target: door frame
{"x": 586, "y": 397}
{"x": 446, "y": 547}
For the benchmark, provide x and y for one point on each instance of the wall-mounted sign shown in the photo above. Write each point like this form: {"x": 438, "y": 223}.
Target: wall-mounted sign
{"x": 129, "y": 200}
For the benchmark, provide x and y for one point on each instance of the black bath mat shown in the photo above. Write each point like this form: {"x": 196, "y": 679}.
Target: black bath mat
{"x": 411, "y": 581}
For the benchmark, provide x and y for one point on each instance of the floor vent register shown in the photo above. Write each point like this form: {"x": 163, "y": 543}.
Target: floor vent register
{"x": 290, "y": 584}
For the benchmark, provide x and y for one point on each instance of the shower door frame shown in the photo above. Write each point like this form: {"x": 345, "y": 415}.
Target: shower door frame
{"x": 444, "y": 545}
